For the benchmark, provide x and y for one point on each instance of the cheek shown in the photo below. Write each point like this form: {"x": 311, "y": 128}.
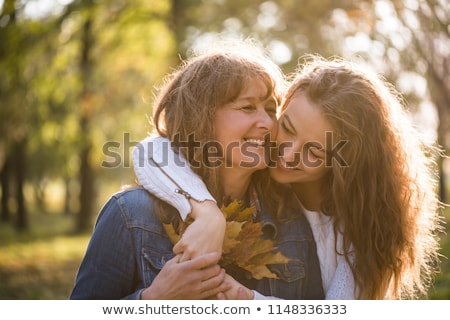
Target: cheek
{"x": 274, "y": 132}
{"x": 289, "y": 151}
{"x": 316, "y": 170}
{"x": 282, "y": 141}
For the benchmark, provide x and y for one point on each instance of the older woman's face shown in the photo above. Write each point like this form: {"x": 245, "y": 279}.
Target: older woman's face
{"x": 242, "y": 126}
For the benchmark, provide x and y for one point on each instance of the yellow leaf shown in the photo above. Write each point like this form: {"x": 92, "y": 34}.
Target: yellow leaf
{"x": 243, "y": 245}
{"x": 262, "y": 246}
{"x": 277, "y": 257}
{"x": 228, "y": 245}
{"x": 245, "y": 214}
{"x": 269, "y": 258}
{"x": 260, "y": 271}
{"x": 230, "y": 210}
{"x": 233, "y": 229}
{"x": 173, "y": 236}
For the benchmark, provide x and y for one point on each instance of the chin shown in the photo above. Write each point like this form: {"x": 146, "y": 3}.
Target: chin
{"x": 281, "y": 177}
{"x": 255, "y": 161}
{"x": 253, "y": 165}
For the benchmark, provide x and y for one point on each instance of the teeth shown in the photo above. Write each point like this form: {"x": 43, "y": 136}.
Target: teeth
{"x": 258, "y": 142}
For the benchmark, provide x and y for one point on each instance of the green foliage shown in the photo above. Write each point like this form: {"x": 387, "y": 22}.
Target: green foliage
{"x": 45, "y": 91}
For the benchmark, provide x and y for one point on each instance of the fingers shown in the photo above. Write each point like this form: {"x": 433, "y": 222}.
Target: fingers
{"x": 215, "y": 285}
{"x": 179, "y": 247}
{"x": 244, "y": 294}
{"x": 184, "y": 257}
{"x": 202, "y": 268}
{"x": 204, "y": 261}
{"x": 174, "y": 260}
{"x": 221, "y": 296}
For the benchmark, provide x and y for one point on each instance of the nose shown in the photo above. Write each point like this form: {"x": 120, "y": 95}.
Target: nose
{"x": 265, "y": 121}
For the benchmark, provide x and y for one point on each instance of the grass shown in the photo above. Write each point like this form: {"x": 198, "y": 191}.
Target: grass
{"x": 42, "y": 263}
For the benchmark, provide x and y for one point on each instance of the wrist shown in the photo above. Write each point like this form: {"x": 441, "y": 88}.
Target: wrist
{"x": 148, "y": 294}
{"x": 145, "y": 295}
{"x": 206, "y": 209}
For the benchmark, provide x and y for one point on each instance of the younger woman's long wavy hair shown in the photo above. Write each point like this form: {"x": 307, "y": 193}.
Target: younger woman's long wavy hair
{"x": 384, "y": 199}
{"x": 185, "y": 107}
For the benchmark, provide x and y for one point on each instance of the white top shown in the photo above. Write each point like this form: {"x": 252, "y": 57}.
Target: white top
{"x": 337, "y": 278}
{"x": 169, "y": 177}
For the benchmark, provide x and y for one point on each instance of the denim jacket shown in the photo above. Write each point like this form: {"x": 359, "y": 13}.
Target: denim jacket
{"x": 129, "y": 246}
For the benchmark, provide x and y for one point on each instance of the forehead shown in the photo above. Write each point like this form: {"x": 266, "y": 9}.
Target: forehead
{"x": 255, "y": 87}
{"x": 306, "y": 118}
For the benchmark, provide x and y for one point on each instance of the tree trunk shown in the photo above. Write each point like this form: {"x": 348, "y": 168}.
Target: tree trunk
{"x": 86, "y": 190}
{"x": 86, "y": 173}
{"x": 5, "y": 180}
{"x": 20, "y": 165}
{"x": 67, "y": 197}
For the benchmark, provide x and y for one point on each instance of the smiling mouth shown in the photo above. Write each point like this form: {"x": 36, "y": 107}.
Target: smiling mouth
{"x": 283, "y": 164}
{"x": 255, "y": 142}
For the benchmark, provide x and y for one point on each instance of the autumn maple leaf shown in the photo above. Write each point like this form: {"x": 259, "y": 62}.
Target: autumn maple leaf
{"x": 243, "y": 243}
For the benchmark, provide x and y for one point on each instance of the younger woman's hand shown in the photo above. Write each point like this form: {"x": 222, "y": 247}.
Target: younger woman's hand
{"x": 205, "y": 234}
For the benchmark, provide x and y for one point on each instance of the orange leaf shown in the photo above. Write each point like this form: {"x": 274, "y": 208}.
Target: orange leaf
{"x": 260, "y": 271}
{"x": 173, "y": 236}
{"x": 243, "y": 245}
{"x": 245, "y": 214}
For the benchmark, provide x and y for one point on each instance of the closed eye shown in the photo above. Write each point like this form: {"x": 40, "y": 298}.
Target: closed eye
{"x": 272, "y": 111}
{"x": 286, "y": 128}
{"x": 271, "y": 107}
{"x": 247, "y": 108}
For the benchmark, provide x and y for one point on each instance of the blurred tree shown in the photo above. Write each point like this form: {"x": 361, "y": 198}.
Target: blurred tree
{"x": 428, "y": 54}
{"x": 125, "y": 49}
{"x": 77, "y": 82}
{"x": 287, "y": 28}
{"x": 5, "y": 180}
{"x": 408, "y": 41}
{"x": 86, "y": 174}
{"x": 31, "y": 103}
{"x": 13, "y": 119}
{"x": 74, "y": 78}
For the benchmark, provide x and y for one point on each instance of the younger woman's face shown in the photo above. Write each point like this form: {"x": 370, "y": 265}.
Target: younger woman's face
{"x": 242, "y": 126}
{"x": 303, "y": 143}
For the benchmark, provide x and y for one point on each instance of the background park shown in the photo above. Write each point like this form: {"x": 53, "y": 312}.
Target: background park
{"x": 76, "y": 90}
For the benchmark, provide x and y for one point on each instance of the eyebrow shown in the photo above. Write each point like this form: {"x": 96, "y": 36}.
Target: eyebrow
{"x": 318, "y": 146}
{"x": 255, "y": 98}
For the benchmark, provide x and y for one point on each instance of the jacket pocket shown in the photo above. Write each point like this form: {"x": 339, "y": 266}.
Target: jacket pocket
{"x": 153, "y": 262}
